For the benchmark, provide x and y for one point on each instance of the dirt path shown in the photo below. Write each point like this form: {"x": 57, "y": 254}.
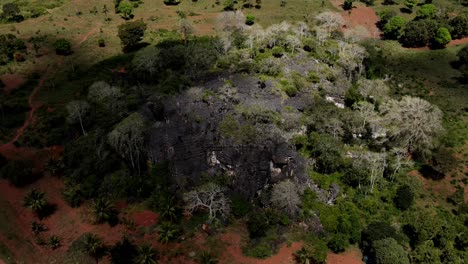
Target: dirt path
{"x": 352, "y": 256}
{"x": 455, "y": 42}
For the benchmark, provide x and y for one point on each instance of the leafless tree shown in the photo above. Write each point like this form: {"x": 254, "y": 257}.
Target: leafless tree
{"x": 285, "y": 196}
{"x": 185, "y": 29}
{"x": 399, "y": 159}
{"x": 413, "y": 123}
{"x": 209, "y": 197}
{"x": 373, "y": 163}
{"x": 102, "y": 93}
{"x": 77, "y": 111}
{"x": 128, "y": 138}
{"x": 366, "y": 112}
{"x": 330, "y": 20}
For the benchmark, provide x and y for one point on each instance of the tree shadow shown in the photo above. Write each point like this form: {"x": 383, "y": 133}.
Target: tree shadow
{"x": 406, "y": 10}
{"x": 430, "y": 173}
{"x": 47, "y": 211}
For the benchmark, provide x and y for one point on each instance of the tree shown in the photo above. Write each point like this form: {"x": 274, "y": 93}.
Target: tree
{"x": 128, "y": 137}
{"x": 131, "y": 33}
{"x": 427, "y": 11}
{"x": 103, "y": 210}
{"x": 330, "y": 20}
{"x": 125, "y": 9}
{"x": 373, "y": 163}
{"x": 11, "y": 12}
{"x": 77, "y": 111}
{"x": 62, "y": 47}
{"x": 442, "y": 37}
{"x": 413, "y": 123}
{"x": 394, "y": 28}
{"x": 168, "y": 232}
{"x": 285, "y": 197}
{"x": 146, "y": 255}
{"x": 93, "y": 245}
{"x": 106, "y": 95}
{"x": 348, "y": 5}
{"x": 35, "y": 200}
{"x": 249, "y": 20}
{"x": 404, "y": 197}
{"x": 185, "y": 29}
{"x": 388, "y": 251}
{"x": 411, "y": 3}
{"x": 208, "y": 197}
{"x": 418, "y": 33}
{"x": 459, "y": 25}
{"x": 463, "y": 55}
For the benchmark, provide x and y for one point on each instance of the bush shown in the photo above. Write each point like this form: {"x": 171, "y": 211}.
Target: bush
{"x": 394, "y": 28}
{"x": 125, "y": 9}
{"x": 442, "y": 37}
{"x": 348, "y": 4}
{"x": 249, "y": 20}
{"x": 404, "y": 197}
{"x": 101, "y": 42}
{"x": 338, "y": 243}
{"x": 131, "y": 33}
{"x": 459, "y": 25}
{"x": 240, "y": 207}
{"x": 427, "y": 11}
{"x": 277, "y": 52}
{"x": 171, "y": 2}
{"x": 419, "y": 33}
{"x": 62, "y": 47}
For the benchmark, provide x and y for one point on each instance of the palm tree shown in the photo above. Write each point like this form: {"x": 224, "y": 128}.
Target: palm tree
{"x": 93, "y": 246}
{"x": 168, "y": 210}
{"x": 167, "y": 232}
{"x": 37, "y": 228}
{"x": 35, "y": 200}
{"x": 303, "y": 255}
{"x": 207, "y": 258}
{"x": 103, "y": 210}
{"x": 146, "y": 255}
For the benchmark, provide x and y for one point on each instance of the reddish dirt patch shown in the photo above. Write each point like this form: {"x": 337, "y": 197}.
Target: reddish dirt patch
{"x": 145, "y": 218}
{"x": 353, "y": 256}
{"x": 455, "y": 42}
{"x": 233, "y": 253}
{"x": 359, "y": 16}
{"x": 12, "y": 82}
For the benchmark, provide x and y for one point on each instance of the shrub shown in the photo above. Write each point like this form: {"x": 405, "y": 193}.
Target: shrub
{"x": 459, "y": 25}
{"x": 394, "y": 28}
{"x": 427, "y": 11}
{"x": 240, "y": 206}
{"x": 277, "y": 52}
{"x": 131, "y": 33}
{"x": 73, "y": 196}
{"x": 290, "y": 89}
{"x": 62, "y": 47}
{"x": 442, "y": 37}
{"x": 125, "y": 9}
{"x": 171, "y": 2}
{"x": 101, "y": 42}
{"x": 404, "y": 197}
{"x": 249, "y": 20}
{"x": 419, "y": 33}
{"x": 348, "y": 5}
{"x": 54, "y": 242}
{"x": 338, "y": 243}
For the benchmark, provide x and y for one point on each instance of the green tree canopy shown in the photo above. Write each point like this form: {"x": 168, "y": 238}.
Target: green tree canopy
{"x": 426, "y": 11}
{"x": 394, "y": 28}
{"x": 459, "y": 26}
{"x": 388, "y": 251}
{"x": 442, "y": 37}
{"x": 131, "y": 33}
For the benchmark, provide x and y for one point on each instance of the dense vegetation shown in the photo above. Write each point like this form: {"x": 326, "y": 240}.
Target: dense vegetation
{"x": 295, "y": 130}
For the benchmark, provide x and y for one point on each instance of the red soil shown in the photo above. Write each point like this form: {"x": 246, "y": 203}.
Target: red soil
{"x": 454, "y": 42}
{"x": 360, "y": 15}
{"x": 233, "y": 252}
{"x": 11, "y": 81}
{"x": 145, "y": 218}
{"x": 353, "y": 256}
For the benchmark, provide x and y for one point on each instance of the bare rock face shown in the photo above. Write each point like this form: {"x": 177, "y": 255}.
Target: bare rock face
{"x": 189, "y": 131}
